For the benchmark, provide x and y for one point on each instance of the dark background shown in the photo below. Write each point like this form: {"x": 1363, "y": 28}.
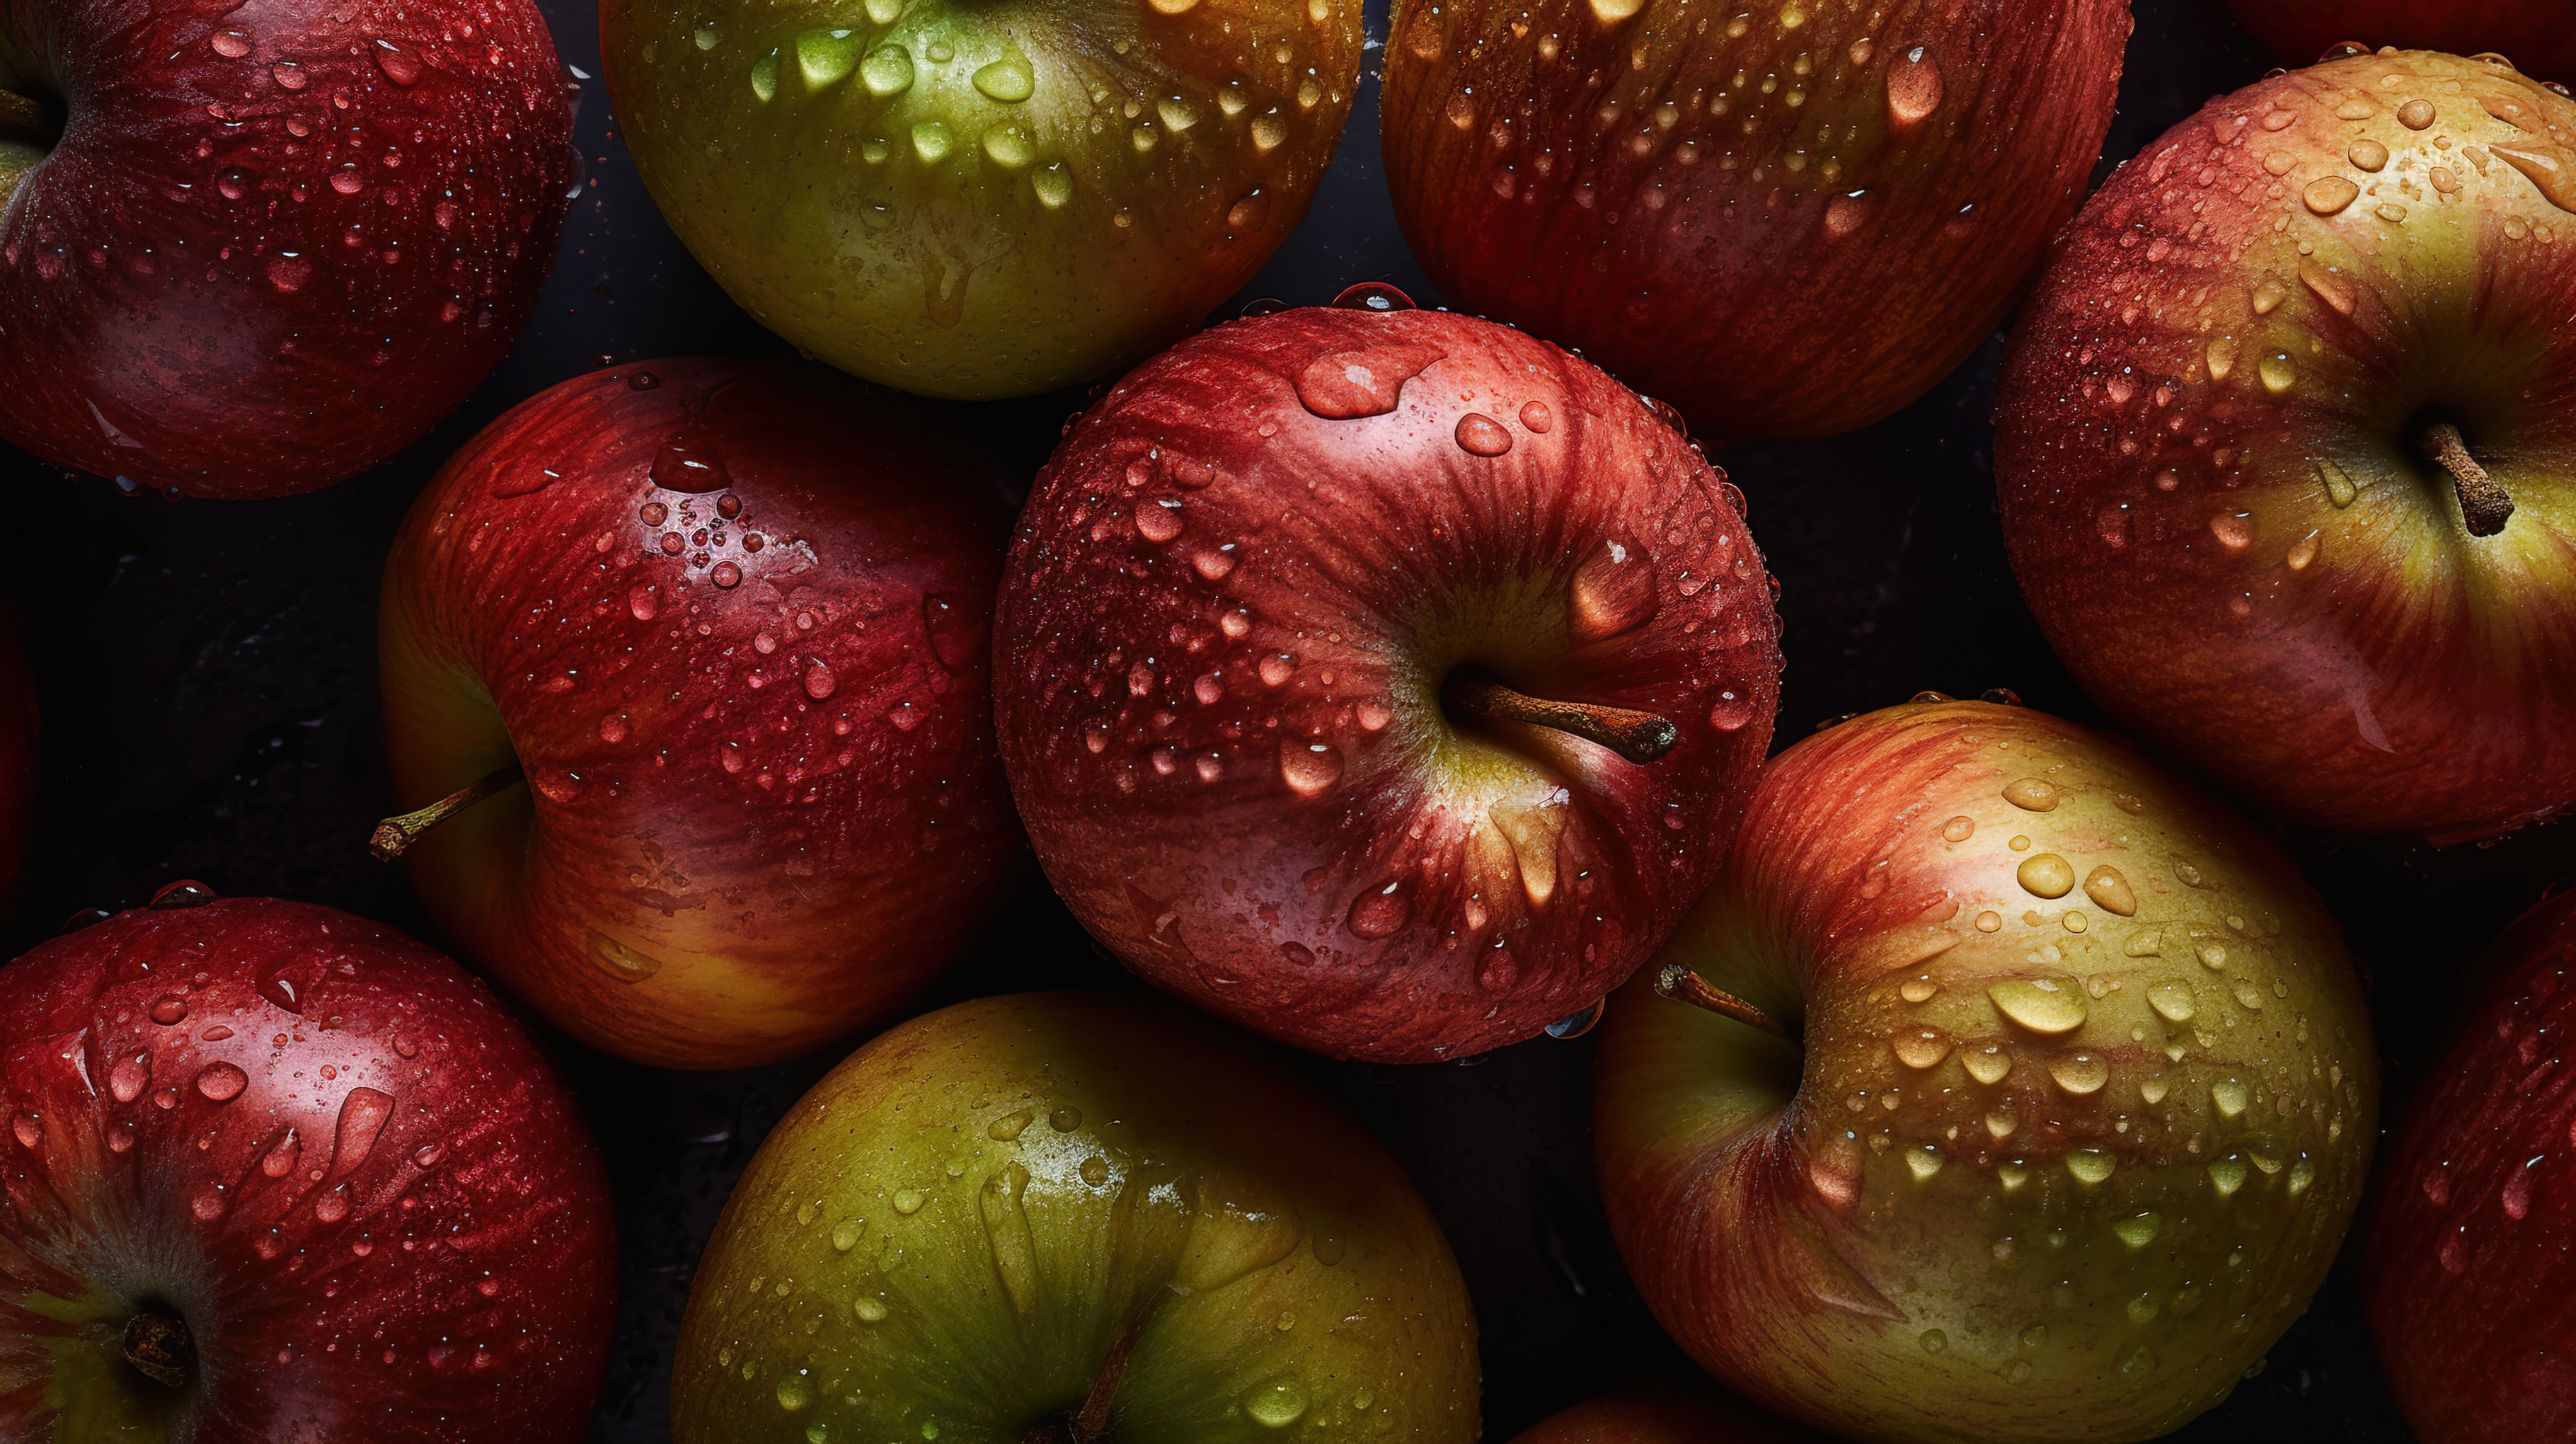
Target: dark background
{"x": 208, "y": 679}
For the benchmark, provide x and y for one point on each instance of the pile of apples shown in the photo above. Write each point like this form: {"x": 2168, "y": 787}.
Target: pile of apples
{"x": 1386, "y": 686}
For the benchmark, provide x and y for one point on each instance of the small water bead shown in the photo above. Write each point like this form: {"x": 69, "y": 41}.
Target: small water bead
{"x": 1536, "y": 418}
{"x": 2416, "y": 114}
{"x": 1379, "y": 912}
{"x": 1277, "y": 1404}
{"x": 1959, "y": 829}
{"x": 170, "y": 1010}
{"x": 887, "y": 71}
{"x": 2172, "y": 1000}
{"x": 1913, "y": 90}
{"x": 222, "y": 1082}
{"x": 2231, "y": 1097}
{"x": 2041, "y": 1005}
{"x": 2030, "y": 794}
{"x": 1987, "y": 1065}
{"x": 1579, "y": 1022}
{"x": 2330, "y": 195}
{"x": 1917, "y": 990}
{"x": 1480, "y": 435}
{"x": 2110, "y": 891}
{"x": 2046, "y": 875}
{"x": 2091, "y": 1165}
{"x": 908, "y": 1201}
{"x": 1309, "y": 767}
{"x": 1933, "y": 1341}
{"x": 1008, "y": 81}
{"x": 2227, "y": 1175}
{"x": 2081, "y": 1074}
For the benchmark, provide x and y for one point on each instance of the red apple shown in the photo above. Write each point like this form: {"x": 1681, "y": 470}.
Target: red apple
{"x": 2073, "y": 1098}
{"x": 252, "y": 249}
{"x": 2216, "y": 443}
{"x": 2535, "y": 33}
{"x": 277, "y": 1173}
{"x": 1665, "y": 1415}
{"x": 17, "y": 757}
{"x": 2467, "y": 1272}
{"x": 1273, "y": 642}
{"x": 1788, "y": 223}
{"x": 728, "y": 619}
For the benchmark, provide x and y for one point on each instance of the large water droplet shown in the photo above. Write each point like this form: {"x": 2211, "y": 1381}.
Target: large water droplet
{"x": 690, "y": 464}
{"x": 2080, "y": 1073}
{"x": 222, "y": 1082}
{"x": 1379, "y": 911}
{"x": 2330, "y": 195}
{"x": 362, "y": 1117}
{"x": 399, "y": 65}
{"x": 1481, "y": 435}
{"x": 2046, "y": 875}
{"x": 1309, "y": 767}
{"x": 2042, "y": 1005}
{"x": 2172, "y": 1000}
{"x": 1279, "y": 1403}
{"x": 2231, "y": 1096}
{"x": 1913, "y": 91}
{"x": 1008, "y": 81}
{"x": 1349, "y": 385}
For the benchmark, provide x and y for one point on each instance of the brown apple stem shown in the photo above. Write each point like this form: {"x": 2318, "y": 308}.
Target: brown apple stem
{"x": 22, "y": 118}
{"x": 2484, "y": 505}
{"x": 396, "y": 834}
{"x": 159, "y": 1348}
{"x": 1090, "y": 1423}
{"x": 1678, "y": 982}
{"x": 1641, "y": 737}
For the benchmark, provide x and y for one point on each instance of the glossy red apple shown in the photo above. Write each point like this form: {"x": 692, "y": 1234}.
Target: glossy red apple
{"x": 2073, "y": 1097}
{"x": 2467, "y": 1273}
{"x": 277, "y": 1173}
{"x": 728, "y": 621}
{"x": 2217, "y": 437}
{"x": 1387, "y": 682}
{"x": 2535, "y": 33}
{"x": 1788, "y": 222}
{"x": 1663, "y": 1415}
{"x": 252, "y": 249}
{"x": 18, "y": 731}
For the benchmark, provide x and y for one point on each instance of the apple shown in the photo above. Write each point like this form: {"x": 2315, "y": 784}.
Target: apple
{"x": 252, "y": 250}
{"x": 2533, "y": 32}
{"x": 1660, "y": 1415}
{"x": 1385, "y": 681}
{"x": 1061, "y": 1218}
{"x": 1788, "y": 224}
{"x": 278, "y": 1173}
{"x": 707, "y": 642}
{"x": 2286, "y": 438}
{"x": 2072, "y": 1102}
{"x": 18, "y": 732}
{"x": 2466, "y": 1273}
{"x": 970, "y": 201}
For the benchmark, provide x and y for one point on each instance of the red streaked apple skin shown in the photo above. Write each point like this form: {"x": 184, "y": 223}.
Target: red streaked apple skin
{"x": 1796, "y": 256}
{"x": 753, "y": 705}
{"x": 2051, "y": 1168}
{"x": 329, "y": 1150}
{"x": 1662, "y": 1415}
{"x": 2206, "y": 446}
{"x": 2466, "y": 1273}
{"x": 2534, "y": 33}
{"x": 279, "y": 241}
{"x": 1222, "y": 635}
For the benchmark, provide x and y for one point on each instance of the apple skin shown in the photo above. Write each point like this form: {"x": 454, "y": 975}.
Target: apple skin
{"x": 1661, "y": 1415}
{"x": 979, "y": 201}
{"x": 1982, "y": 1208}
{"x": 2465, "y": 1270}
{"x": 2207, "y": 467}
{"x": 964, "y": 1218}
{"x": 18, "y": 735}
{"x": 277, "y": 242}
{"x": 340, "y": 1161}
{"x": 1741, "y": 251}
{"x": 741, "y": 648}
{"x": 1222, "y": 637}
{"x": 2533, "y": 32}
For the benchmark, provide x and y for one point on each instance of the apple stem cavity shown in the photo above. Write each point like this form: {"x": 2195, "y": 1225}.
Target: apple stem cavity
{"x": 23, "y": 118}
{"x": 2484, "y": 505}
{"x": 160, "y": 1349}
{"x": 1641, "y": 737}
{"x": 394, "y": 835}
{"x": 1678, "y": 982}
{"x": 1090, "y": 1423}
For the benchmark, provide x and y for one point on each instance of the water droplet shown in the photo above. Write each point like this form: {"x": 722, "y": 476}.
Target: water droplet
{"x": 2172, "y": 1000}
{"x": 1913, "y": 91}
{"x": 1579, "y": 1022}
{"x": 887, "y": 71}
{"x": 2416, "y": 114}
{"x": 2550, "y": 168}
{"x": 690, "y": 464}
{"x": 625, "y": 964}
{"x": 2081, "y": 1074}
{"x": 1008, "y": 81}
{"x": 288, "y": 271}
{"x": 1277, "y": 1404}
{"x": 1309, "y": 767}
{"x": 362, "y": 1116}
{"x": 908, "y": 1201}
{"x": 231, "y": 44}
{"x": 2329, "y": 196}
{"x": 2091, "y": 1165}
{"x": 1917, "y": 990}
{"x": 1924, "y": 1162}
{"x": 2227, "y": 1175}
{"x": 1731, "y": 711}
{"x": 1298, "y": 954}
{"x": 1481, "y": 435}
{"x": 169, "y": 1010}
{"x": 1379, "y": 911}
{"x": 399, "y": 65}
{"x": 280, "y": 1160}
{"x": 1613, "y": 592}
{"x": 2231, "y": 1096}
{"x": 1053, "y": 185}
{"x": 1349, "y": 385}
{"x": 1536, "y": 419}
{"x": 1373, "y": 296}
{"x": 2042, "y": 1005}
{"x": 794, "y": 1392}
{"x": 2279, "y": 372}
{"x": 427, "y": 1155}
{"x": 2110, "y": 891}
{"x": 845, "y": 1234}
{"x": 2046, "y": 875}
{"x": 725, "y": 575}
{"x": 2367, "y": 154}
{"x": 332, "y": 1206}
{"x": 222, "y": 1082}
{"x": 1158, "y": 522}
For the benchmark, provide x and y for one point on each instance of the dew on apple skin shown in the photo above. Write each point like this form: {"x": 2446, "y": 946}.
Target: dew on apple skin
{"x": 2109, "y": 889}
{"x": 1309, "y": 768}
{"x": 869, "y": 1309}
{"x": 1379, "y": 911}
{"x": 1921, "y": 1049}
{"x": 2041, "y": 1005}
{"x": 1913, "y": 91}
{"x": 221, "y": 1082}
{"x": 169, "y": 1010}
{"x": 1277, "y": 1404}
{"x": 2172, "y": 1000}
{"x": 230, "y": 44}
{"x": 1480, "y": 435}
{"x": 2081, "y": 1074}
{"x": 2329, "y": 195}
{"x": 2231, "y": 1097}
{"x": 2046, "y": 875}
{"x": 795, "y": 1392}
{"x": 333, "y": 1206}
{"x": 1298, "y": 954}
{"x": 908, "y": 1201}
{"x": 1918, "y": 989}
{"x": 625, "y": 964}
{"x": 1731, "y": 711}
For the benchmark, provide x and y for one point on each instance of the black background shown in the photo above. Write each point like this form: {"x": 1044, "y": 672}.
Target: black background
{"x": 208, "y": 680}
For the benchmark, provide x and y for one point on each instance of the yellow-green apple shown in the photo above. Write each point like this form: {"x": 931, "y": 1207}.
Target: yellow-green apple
{"x": 975, "y": 201}
{"x": 1788, "y": 223}
{"x": 1661, "y": 1415}
{"x": 1061, "y": 1219}
{"x": 2071, "y": 1104}
{"x": 727, "y": 620}
{"x": 2286, "y": 445}
{"x": 1384, "y": 681}
{"x": 2466, "y": 1272}
{"x": 2534, "y": 33}
{"x": 278, "y": 1173}
{"x": 249, "y": 250}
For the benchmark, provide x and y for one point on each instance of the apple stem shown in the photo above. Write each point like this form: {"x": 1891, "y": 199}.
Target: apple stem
{"x": 1088, "y": 1424}
{"x": 2484, "y": 505}
{"x": 396, "y": 834}
{"x": 22, "y": 118}
{"x": 159, "y": 1348}
{"x": 1641, "y": 737}
{"x": 1678, "y": 982}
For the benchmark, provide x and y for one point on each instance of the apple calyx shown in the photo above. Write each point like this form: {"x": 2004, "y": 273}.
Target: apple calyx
{"x": 1090, "y": 1423}
{"x": 2484, "y": 505}
{"x": 1640, "y": 737}
{"x": 396, "y": 834}
{"x": 1677, "y": 982}
{"x": 160, "y": 1348}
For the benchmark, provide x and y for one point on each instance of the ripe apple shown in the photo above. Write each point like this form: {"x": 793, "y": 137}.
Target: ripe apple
{"x": 1388, "y": 682}
{"x": 728, "y": 622}
{"x": 18, "y": 732}
{"x": 2466, "y": 1271}
{"x": 2534, "y": 33}
{"x": 975, "y": 202}
{"x": 249, "y": 251}
{"x": 2074, "y": 1102}
{"x": 1665, "y": 1415}
{"x": 1060, "y": 1218}
{"x": 277, "y": 1173}
{"x": 1788, "y": 224}
{"x": 2285, "y": 443}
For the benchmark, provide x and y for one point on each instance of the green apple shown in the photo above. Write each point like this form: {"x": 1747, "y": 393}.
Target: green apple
{"x": 1061, "y": 1219}
{"x": 982, "y": 200}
